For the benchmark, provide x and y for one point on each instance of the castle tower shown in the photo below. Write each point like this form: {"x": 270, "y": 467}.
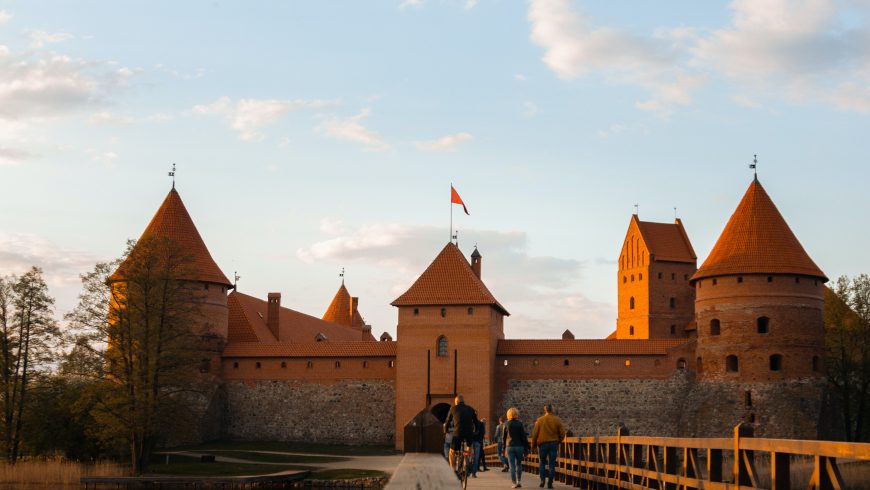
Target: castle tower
{"x": 173, "y": 222}
{"x": 449, "y": 327}
{"x": 655, "y": 298}
{"x": 760, "y": 300}
{"x": 344, "y": 310}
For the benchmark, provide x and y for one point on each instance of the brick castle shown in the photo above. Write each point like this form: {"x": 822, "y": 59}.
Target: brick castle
{"x": 695, "y": 350}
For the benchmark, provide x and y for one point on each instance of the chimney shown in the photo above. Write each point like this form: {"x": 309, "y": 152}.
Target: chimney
{"x": 567, "y": 335}
{"x": 273, "y": 312}
{"x": 475, "y": 262}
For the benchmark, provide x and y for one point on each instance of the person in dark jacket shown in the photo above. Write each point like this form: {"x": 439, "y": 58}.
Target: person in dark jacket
{"x": 499, "y": 432}
{"x": 477, "y": 447}
{"x": 464, "y": 420}
{"x": 516, "y": 442}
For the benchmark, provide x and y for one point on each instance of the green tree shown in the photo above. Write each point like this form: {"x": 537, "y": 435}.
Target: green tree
{"x": 28, "y": 336}
{"x": 847, "y": 325}
{"x": 137, "y": 323}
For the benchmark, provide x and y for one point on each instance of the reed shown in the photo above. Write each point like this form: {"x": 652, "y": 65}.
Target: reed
{"x": 56, "y": 471}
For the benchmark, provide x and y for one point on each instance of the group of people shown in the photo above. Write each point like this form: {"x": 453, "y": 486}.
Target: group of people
{"x": 513, "y": 443}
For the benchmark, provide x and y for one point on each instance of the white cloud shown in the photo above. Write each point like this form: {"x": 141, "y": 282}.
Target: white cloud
{"x": 45, "y": 87}
{"x": 530, "y": 109}
{"x": 332, "y": 226}
{"x": 520, "y": 77}
{"x": 4, "y": 17}
{"x": 410, "y": 3}
{"x": 351, "y": 129}
{"x": 106, "y": 158}
{"x": 13, "y": 156}
{"x": 247, "y": 116}
{"x": 539, "y": 291}
{"x": 470, "y": 4}
{"x": 611, "y": 130}
{"x": 106, "y": 118}
{"x": 40, "y": 38}
{"x": 445, "y": 143}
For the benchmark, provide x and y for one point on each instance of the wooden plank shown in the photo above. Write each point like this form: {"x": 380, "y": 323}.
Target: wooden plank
{"x": 844, "y": 450}
{"x": 423, "y": 470}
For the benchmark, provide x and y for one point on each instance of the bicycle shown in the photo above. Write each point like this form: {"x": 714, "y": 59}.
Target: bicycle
{"x": 463, "y": 462}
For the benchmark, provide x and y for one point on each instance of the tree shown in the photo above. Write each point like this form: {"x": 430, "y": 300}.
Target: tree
{"x": 138, "y": 323}
{"x": 847, "y": 325}
{"x": 28, "y": 334}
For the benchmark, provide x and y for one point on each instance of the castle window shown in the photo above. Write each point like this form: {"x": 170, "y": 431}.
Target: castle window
{"x": 391, "y": 364}
{"x": 673, "y": 303}
{"x": 816, "y": 282}
{"x": 566, "y": 362}
{"x": 597, "y": 362}
{"x": 685, "y": 277}
{"x": 715, "y": 327}
{"x": 632, "y": 278}
{"x": 205, "y": 366}
{"x": 258, "y": 365}
{"x": 673, "y": 329}
{"x": 337, "y": 364}
{"x": 416, "y": 311}
{"x": 365, "y": 364}
{"x": 739, "y": 278}
{"x": 442, "y": 346}
{"x": 206, "y": 287}
{"x": 681, "y": 364}
{"x": 673, "y": 276}
{"x": 235, "y": 365}
{"x": 797, "y": 280}
{"x": 443, "y": 312}
{"x": 628, "y": 363}
{"x": 309, "y": 365}
{"x": 640, "y": 277}
{"x": 631, "y": 303}
{"x": 751, "y": 418}
{"x": 470, "y": 310}
{"x": 715, "y": 281}
{"x": 747, "y": 399}
{"x": 505, "y": 362}
{"x": 660, "y": 275}
{"x": 535, "y": 362}
{"x": 731, "y": 364}
{"x": 283, "y": 364}
{"x": 816, "y": 364}
{"x": 769, "y": 278}
{"x": 699, "y": 365}
{"x": 624, "y": 279}
{"x": 631, "y": 330}
{"x": 763, "y": 324}
{"x": 775, "y": 362}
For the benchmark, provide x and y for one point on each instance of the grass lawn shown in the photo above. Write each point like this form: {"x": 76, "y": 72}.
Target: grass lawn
{"x": 190, "y": 465}
{"x": 293, "y": 447}
{"x": 345, "y": 474}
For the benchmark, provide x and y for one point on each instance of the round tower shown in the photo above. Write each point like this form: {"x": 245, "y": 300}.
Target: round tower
{"x": 759, "y": 300}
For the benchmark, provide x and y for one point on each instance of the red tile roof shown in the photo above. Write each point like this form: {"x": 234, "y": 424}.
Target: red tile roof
{"x": 602, "y": 347}
{"x": 667, "y": 241}
{"x": 311, "y": 349}
{"x": 448, "y": 280}
{"x": 248, "y": 314}
{"x": 172, "y": 221}
{"x": 757, "y": 240}
{"x": 339, "y": 311}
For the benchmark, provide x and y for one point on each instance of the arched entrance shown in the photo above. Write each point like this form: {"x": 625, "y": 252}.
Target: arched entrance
{"x": 424, "y": 433}
{"x": 440, "y": 410}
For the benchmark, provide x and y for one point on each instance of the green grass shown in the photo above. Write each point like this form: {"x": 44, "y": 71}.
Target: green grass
{"x": 294, "y": 447}
{"x": 181, "y": 465}
{"x": 345, "y": 474}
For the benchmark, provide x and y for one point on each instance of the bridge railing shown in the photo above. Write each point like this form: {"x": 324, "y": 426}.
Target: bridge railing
{"x": 671, "y": 463}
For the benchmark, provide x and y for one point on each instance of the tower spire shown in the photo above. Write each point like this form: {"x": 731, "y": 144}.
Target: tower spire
{"x": 754, "y": 167}
{"x": 341, "y": 275}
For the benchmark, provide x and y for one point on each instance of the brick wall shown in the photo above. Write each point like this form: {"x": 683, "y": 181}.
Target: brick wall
{"x": 346, "y": 411}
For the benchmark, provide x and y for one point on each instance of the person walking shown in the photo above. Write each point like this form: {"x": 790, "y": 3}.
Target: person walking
{"x": 477, "y": 446}
{"x": 516, "y": 442}
{"x": 499, "y": 441}
{"x": 546, "y": 436}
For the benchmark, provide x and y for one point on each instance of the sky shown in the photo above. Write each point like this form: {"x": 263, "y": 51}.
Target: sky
{"x": 311, "y": 136}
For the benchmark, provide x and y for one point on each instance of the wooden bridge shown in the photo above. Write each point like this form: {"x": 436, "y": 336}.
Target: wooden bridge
{"x": 675, "y": 463}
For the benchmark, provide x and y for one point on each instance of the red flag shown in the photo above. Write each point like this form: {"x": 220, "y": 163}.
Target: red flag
{"x": 455, "y": 199}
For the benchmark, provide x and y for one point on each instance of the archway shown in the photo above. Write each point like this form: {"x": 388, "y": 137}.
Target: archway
{"x": 440, "y": 410}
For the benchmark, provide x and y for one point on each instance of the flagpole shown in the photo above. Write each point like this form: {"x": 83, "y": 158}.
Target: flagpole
{"x": 451, "y": 213}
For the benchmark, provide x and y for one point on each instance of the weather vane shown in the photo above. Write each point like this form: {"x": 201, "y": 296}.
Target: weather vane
{"x": 754, "y": 166}
{"x": 455, "y": 237}
{"x": 172, "y": 174}
{"x": 675, "y": 213}
{"x": 637, "y": 209}
{"x": 236, "y": 278}
{"x": 341, "y": 275}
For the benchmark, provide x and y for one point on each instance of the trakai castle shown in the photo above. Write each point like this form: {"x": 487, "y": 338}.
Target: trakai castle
{"x": 694, "y": 351}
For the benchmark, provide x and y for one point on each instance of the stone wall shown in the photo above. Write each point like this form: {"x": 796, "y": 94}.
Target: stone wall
{"x": 348, "y": 411}
{"x": 595, "y": 406}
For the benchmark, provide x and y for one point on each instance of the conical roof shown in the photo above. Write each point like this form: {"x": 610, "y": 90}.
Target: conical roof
{"x": 339, "y": 310}
{"x": 172, "y": 221}
{"x": 757, "y": 240}
{"x": 449, "y": 280}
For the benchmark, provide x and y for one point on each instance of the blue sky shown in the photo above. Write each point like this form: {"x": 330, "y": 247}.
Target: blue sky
{"x": 311, "y": 136}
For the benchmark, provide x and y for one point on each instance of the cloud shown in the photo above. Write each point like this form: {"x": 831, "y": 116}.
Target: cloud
{"x": 4, "y": 17}
{"x": 530, "y": 109}
{"x": 411, "y": 3}
{"x": 539, "y": 291}
{"x": 13, "y": 156}
{"x": 45, "y": 87}
{"x": 611, "y": 130}
{"x": 351, "y": 129}
{"x": 445, "y": 143}
{"x": 247, "y": 116}
{"x": 520, "y": 77}
{"x": 470, "y": 4}
{"x": 106, "y": 158}
{"x": 40, "y": 38}
{"x": 106, "y": 118}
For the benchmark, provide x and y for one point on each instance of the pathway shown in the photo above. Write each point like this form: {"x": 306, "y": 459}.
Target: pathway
{"x": 494, "y": 478}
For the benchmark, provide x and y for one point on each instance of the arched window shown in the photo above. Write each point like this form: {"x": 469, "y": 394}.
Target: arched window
{"x": 763, "y": 324}
{"x": 337, "y": 364}
{"x": 391, "y": 364}
{"x": 365, "y": 364}
{"x": 715, "y": 327}
{"x": 673, "y": 302}
{"x": 566, "y": 362}
{"x": 681, "y": 364}
{"x": 673, "y": 329}
{"x": 309, "y": 365}
{"x": 631, "y": 329}
{"x": 632, "y": 278}
{"x": 624, "y": 279}
{"x": 443, "y": 312}
{"x": 775, "y": 362}
{"x": 506, "y": 362}
{"x": 259, "y": 365}
{"x": 470, "y": 310}
{"x": 628, "y": 363}
{"x": 817, "y": 364}
{"x": 640, "y": 277}
{"x": 731, "y": 364}
{"x": 442, "y": 346}
{"x": 283, "y": 364}
{"x": 631, "y": 303}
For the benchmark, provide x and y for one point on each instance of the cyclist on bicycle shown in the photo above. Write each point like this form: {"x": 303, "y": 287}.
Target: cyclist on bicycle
{"x": 465, "y": 423}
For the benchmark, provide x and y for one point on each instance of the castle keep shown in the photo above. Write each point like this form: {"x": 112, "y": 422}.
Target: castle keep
{"x": 694, "y": 350}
